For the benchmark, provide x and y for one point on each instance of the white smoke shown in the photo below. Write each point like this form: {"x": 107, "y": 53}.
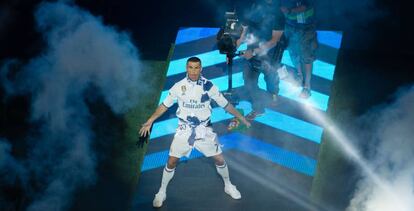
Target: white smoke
{"x": 391, "y": 156}
{"x": 11, "y": 170}
{"x": 81, "y": 54}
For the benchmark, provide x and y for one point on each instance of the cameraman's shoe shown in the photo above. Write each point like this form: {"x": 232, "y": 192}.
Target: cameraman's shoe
{"x": 298, "y": 80}
{"x": 306, "y": 93}
{"x": 275, "y": 99}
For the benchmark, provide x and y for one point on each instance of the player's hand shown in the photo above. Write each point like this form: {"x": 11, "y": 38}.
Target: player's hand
{"x": 145, "y": 129}
{"x": 245, "y": 122}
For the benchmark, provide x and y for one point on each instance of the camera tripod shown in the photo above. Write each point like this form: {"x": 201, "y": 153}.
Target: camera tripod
{"x": 229, "y": 95}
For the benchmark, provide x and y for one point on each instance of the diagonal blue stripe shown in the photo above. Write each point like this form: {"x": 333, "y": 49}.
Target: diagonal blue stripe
{"x": 194, "y": 33}
{"x": 291, "y": 125}
{"x": 208, "y": 59}
{"x": 286, "y": 123}
{"x": 320, "y": 68}
{"x": 273, "y": 119}
{"x": 259, "y": 148}
{"x": 248, "y": 145}
{"x": 317, "y": 99}
{"x": 330, "y": 38}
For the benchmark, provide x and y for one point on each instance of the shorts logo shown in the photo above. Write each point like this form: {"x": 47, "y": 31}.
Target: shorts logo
{"x": 183, "y": 89}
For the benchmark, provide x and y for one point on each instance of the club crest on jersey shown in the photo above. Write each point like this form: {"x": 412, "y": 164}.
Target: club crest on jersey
{"x": 183, "y": 89}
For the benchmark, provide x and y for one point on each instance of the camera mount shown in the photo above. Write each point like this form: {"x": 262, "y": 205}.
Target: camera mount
{"x": 226, "y": 43}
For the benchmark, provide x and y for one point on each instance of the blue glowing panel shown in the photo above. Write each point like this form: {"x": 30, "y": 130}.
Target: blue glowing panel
{"x": 248, "y": 145}
{"x": 208, "y": 59}
{"x": 165, "y": 127}
{"x": 273, "y": 119}
{"x": 191, "y": 34}
{"x": 317, "y": 99}
{"x": 154, "y": 160}
{"x": 320, "y": 68}
{"x": 330, "y": 38}
{"x": 291, "y": 125}
{"x": 260, "y": 148}
{"x": 286, "y": 123}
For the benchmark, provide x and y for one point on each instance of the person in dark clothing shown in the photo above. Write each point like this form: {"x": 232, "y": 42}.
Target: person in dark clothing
{"x": 301, "y": 33}
{"x": 262, "y": 30}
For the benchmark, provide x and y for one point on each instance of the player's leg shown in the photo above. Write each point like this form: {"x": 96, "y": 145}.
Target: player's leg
{"x": 210, "y": 147}
{"x": 168, "y": 172}
{"x": 167, "y": 175}
{"x": 223, "y": 171}
{"x": 179, "y": 147}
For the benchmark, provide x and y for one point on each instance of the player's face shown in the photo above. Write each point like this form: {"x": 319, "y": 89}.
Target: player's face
{"x": 193, "y": 70}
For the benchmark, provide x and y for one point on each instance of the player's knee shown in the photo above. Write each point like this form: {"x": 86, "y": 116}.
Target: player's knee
{"x": 172, "y": 163}
{"x": 219, "y": 160}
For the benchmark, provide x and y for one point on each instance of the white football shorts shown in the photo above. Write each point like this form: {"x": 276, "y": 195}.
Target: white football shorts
{"x": 206, "y": 142}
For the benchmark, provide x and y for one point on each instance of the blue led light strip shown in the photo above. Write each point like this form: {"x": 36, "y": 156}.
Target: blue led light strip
{"x": 329, "y": 38}
{"x": 320, "y": 68}
{"x": 248, "y": 145}
{"x": 271, "y": 118}
{"x": 317, "y": 99}
{"x": 194, "y": 33}
{"x": 208, "y": 59}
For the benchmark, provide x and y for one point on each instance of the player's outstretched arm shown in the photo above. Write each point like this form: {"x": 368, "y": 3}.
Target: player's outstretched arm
{"x": 230, "y": 108}
{"x": 145, "y": 128}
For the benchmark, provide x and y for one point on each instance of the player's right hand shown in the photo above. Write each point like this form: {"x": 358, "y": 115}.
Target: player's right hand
{"x": 145, "y": 129}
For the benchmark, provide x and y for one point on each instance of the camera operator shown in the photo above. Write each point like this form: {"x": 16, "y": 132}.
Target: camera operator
{"x": 262, "y": 27}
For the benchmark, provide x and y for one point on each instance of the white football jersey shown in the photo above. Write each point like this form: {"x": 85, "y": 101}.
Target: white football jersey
{"x": 194, "y": 99}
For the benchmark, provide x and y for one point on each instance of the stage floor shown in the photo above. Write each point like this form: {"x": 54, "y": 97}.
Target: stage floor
{"x": 272, "y": 163}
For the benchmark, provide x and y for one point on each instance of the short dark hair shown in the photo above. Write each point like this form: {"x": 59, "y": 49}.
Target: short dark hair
{"x": 194, "y": 59}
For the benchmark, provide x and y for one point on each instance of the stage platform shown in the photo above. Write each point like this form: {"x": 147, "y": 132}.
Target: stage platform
{"x": 272, "y": 163}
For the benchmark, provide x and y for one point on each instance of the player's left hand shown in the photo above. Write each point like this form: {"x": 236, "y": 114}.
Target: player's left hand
{"x": 247, "y": 123}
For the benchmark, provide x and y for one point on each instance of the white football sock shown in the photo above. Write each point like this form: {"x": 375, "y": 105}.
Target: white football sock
{"x": 224, "y": 173}
{"x": 167, "y": 175}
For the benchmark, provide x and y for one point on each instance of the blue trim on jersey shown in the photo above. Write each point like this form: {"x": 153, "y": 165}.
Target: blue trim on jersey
{"x": 249, "y": 145}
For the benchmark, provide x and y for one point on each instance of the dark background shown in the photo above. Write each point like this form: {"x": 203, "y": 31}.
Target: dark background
{"x": 375, "y": 59}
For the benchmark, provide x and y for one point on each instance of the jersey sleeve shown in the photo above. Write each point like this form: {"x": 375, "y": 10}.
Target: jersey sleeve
{"x": 171, "y": 97}
{"x": 216, "y": 95}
